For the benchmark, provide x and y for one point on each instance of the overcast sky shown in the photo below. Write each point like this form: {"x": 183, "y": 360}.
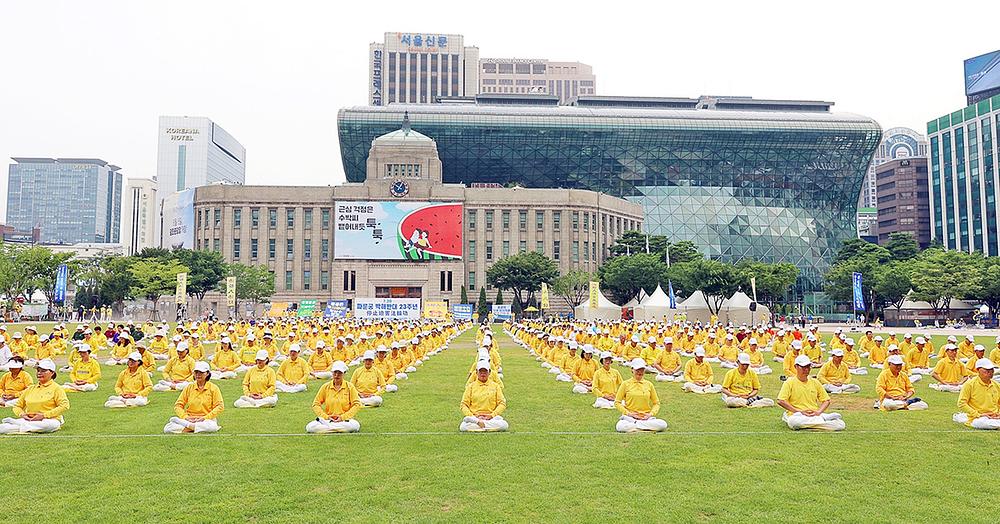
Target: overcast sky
{"x": 90, "y": 78}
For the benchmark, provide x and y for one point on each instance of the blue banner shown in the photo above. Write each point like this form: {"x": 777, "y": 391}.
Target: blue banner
{"x": 462, "y": 311}
{"x": 502, "y": 312}
{"x": 335, "y": 309}
{"x": 670, "y": 291}
{"x": 62, "y": 275}
{"x": 859, "y": 297}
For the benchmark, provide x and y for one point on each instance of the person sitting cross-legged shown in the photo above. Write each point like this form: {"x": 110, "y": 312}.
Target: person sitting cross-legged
{"x": 369, "y": 381}
{"x": 259, "y": 384}
{"x": 483, "y": 402}
{"x": 336, "y": 404}
{"x": 606, "y": 382}
{"x": 805, "y": 401}
{"x": 668, "y": 365}
{"x": 894, "y": 388}
{"x": 949, "y": 372}
{"x": 698, "y": 374}
{"x": 638, "y": 402}
{"x": 835, "y": 375}
{"x": 133, "y": 385}
{"x": 740, "y": 386}
{"x": 979, "y": 399}
{"x": 293, "y": 373}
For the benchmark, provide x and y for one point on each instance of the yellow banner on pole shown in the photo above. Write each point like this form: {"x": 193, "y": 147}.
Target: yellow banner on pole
{"x": 594, "y": 292}
{"x": 231, "y": 291}
{"x": 181, "y": 293}
{"x": 545, "y": 296}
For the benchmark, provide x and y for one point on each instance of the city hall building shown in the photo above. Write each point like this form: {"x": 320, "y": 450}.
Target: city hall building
{"x": 401, "y": 232}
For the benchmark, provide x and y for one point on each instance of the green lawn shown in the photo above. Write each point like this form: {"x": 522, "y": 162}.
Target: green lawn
{"x": 561, "y": 460}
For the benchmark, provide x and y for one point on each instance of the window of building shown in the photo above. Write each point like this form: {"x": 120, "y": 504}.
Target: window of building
{"x": 586, "y": 221}
{"x": 472, "y": 219}
{"x": 288, "y": 280}
{"x": 505, "y": 69}
{"x": 350, "y": 280}
{"x": 586, "y": 250}
{"x": 236, "y": 249}
{"x": 522, "y": 220}
{"x": 522, "y": 246}
{"x": 522, "y": 69}
{"x": 307, "y": 245}
{"x": 215, "y": 245}
{"x": 576, "y": 221}
{"x": 576, "y": 251}
{"x": 489, "y": 68}
{"x": 272, "y": 217}
{"x": 237, "y": 218}
{"x": 324, "y": 248}
{"x": 489, "y": 82}
{"x": 555, "y": 250}
{"x": 307, "y": 218}
{"x": 539, "y": 220}
{"x": 324, "y": 280}
{"x": 593, "y": 251}
{"x": 472, "y": 250}
{"x": 489, "y": 250}
{"x": 472, "y": 281}
{"x": 307, "y": 279}
{"x": 289, "y": 249}
{"x": 556, "y": 220}
{"x": 506, "y": 248}
{"x": 540, "y": 246}
{"x": 217, "y": 219}
{"x": 401, "y": 171}
{"x": 489, "y": 220}
{"x": 290, "y": 218}
{"x": 253, "y": 248}
{"x": 325, "y": 218}
{"x": 446, "y": 283}
{"x": 255, "y": 217}
{"x": 271, "y": 249}
{"x": 505, "y": 219}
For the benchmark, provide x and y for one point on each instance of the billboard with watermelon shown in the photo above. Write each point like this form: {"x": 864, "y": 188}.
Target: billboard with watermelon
{"x": 398, "y": 230}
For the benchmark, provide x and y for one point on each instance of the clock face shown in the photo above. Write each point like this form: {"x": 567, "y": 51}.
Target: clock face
{"x": 399, "y": 189}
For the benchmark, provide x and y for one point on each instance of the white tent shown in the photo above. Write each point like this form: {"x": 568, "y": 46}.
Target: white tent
{"x": 655, "y": 306}
{"x": 695, "y": 308}
{"x": 605, "y": 310}
{"x": 632, "y": 303}
{"x": 737, "y": 310}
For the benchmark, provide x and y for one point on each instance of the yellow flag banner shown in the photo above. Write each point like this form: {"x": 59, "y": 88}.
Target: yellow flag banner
{"x": 181, "y": 293}
{"x": 545, "y": 296}
{"x": 594, "y": 292}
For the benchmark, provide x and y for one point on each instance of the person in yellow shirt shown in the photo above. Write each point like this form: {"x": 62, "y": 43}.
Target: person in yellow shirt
{"x": 728, "y": 353}
{"x": 780, "y": 346}
{"x": 966, "y": 349}
{"x": 199, "y": 405}
{"x": 148, "y": 361}
{"x": 320, "y": 362}
{"x": 894, "y": 389}
{"x": 384, "y": 364}
{"x": 225, "y": 361}
{"x": 133, "y": 385}
{"x": 336, "y": 404}
{"x": 159, "y": 346}
{"x": 978, "y": 352}
{"x": 949, "y": 372}
{"x": 606, "y": 382}
{"x": 293, "y": 373}
{"x": 13, "y": 383}
{"x": 583, "y": 371}
{"x": 638, "y": 402}
{"x": 40, "y": 407}
{"x": 995, "y": 353}
{"x": 179, "y": 371}
{"x": 698, "y": 375}
{"x": 740, "y": 386}
{"x": 45, "y": 349}
{"x": 918, "y": 357}
{"x": 120, "y": 351}
{"x": 835, "y": 375}
{"x": 668, "y": 365}
{"x": 813, "y": 350}
{"x": 483, "y": 402}
{"x": 757, "y": 359}
{"x": 259, "y": 384}
{"x": 566, "y": 364}
{"x": 248, "y": 353}
{"x": 979, "y": 399}
{"x": 86, "y": 372}
{"x": 368, "y": 381}
{"x": 852, "y": 359}
{"x": 805, "y": 401}
{"x": 877, "y": 353}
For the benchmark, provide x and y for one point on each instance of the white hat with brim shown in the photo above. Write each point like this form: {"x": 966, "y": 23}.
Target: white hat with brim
{"x": 135, "y": 356}
{"x": 46, "y": 364}
{"x": 895, "y": 359}
{"x": 985, "y": 363}
{"x": 14, "y": 364}
{"x": 339, "y": 366}
{"x": 638, "y": 363}
{"x": 803, "y": 360}
{"x": 743, "y": 358}
{"x": 262, "y": 355}
{"x": 606, "y": 354}
{"x": 483, "y": 364}
{"x": 369, "y": 355}
{"x": 202, "y": 367}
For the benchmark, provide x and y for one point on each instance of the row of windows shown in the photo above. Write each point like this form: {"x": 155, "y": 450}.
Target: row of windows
{"x": 205, "y": 218}
{"x": 589, "y": 249}
{"x": 538, "y": 89}
{"x": 510, "y": 69}
{"x": 617, "y": 224}
{"x": 272, "y": 248}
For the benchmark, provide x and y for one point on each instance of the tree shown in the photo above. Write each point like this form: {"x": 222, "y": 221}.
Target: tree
{"x": 154, "y": 252}
{"x": 857, "y": 256}
{"x": 253, "y": 283}
{"x": 522, "y": 273}
{"x": 717, "y": 280}
{"x": 684, "y": 251}
{"x": 499, "y": 299}
{"x": 465, "y": 296}
{"x": 989, "y": 284}
{"x": 892, "y": 283}
{"x": 206, "y": 271}
{"x": 482, "y": 309}
{"x": 773, "y": 280}
{"x": 155, "y": 278}
{"x": 939, "y": 276}
{"x": 634, "y": 242}
{"x": 902, "y": 246}
{"x": 515, "y": 309}
{"x": 573, "y": 286}
{"x": 624, "y": 276}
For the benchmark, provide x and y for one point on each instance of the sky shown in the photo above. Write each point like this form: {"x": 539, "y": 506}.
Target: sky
{"x": 90, "y": 79}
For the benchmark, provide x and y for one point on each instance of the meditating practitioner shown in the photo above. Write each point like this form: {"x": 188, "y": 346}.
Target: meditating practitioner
{"x": 14, "y": 382}
{"x": 638, "y": 403}
{"x": 698, "y": 375}
{"x": 805, "y": 401}
{"x": 40, "y": 407}
{"x": 133, "y": 385}
{"x": 979, "y": 399}
{"x": 369, "y": 381}
{"x": 949, "y": 372}
{"x": 225, "y": 361}
{"x": 583, "y": 371}
{"x": 86, "y": 372}
{"x": 199, "y": 405}
{"x": 835, "y": 375}
{"x": 740, "y": 386}
{"x": 668, "y": 365}
{"x": 320, "y": 362}
{"x": 483, "y": 402}
{"x": 606, "y": 382}
{"x": 894, "y": 388}
{"x": 293, "y": 373}
{"x": 336, "y": 404}
{"x": 179, "y": 371}
{"x": 384, "y": 364}
{"x": 259, "y": 384}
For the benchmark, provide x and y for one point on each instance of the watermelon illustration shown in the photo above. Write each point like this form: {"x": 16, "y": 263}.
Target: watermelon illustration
{"x": 433, "y": 232}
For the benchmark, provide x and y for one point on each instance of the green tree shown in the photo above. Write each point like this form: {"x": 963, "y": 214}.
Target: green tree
{"x": 989, "y": 284}
{"x": 624, "y": 276}
{"x": 573, "y": 287}
{"x": 154, "y": 278}
{"x": 522, "y": 273}
{"x": 253, "y": 283}
{"x": 773, "y": 280}
{"x": 465, "y": 296}
{"x": 892, "y": 282}
{"x": 154, "y": 252}
{"x": 857, "y": 256}
{"x": 515, "y": 309}
{"x": 717, "y": 280}
{"x": 684, "y": 251}
{"x": 939, "y": 276}
{"x": 499, "y": 299}
{"x": 902, "y": 246}
{"x": 482, "y": 309}
{"x": 206, "y": 271}
{"x": 634, "y": 243}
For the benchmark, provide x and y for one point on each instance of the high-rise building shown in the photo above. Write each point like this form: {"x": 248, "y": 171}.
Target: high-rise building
{"x": 868, "y": 224}
{"x": 140, "y": 216}
{"x": 566, "y": 80}
{"x": 898, "y": 142}
{"x": 194, "y": 151}
{"x": 417, "y": 68}
{"x": 769, "y": 180}
{"x": 71, "y": 200}
{"x": 963, "y": 178}
{"x": 903, "y": 205}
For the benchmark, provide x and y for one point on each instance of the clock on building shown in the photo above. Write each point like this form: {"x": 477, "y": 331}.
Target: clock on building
{"x": 399, "y": 189}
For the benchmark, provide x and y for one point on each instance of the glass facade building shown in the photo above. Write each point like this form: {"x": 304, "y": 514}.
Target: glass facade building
{"x": 741, "y": 178}
{"x": 72, "y": 200}
{"x": 963, "y": 178}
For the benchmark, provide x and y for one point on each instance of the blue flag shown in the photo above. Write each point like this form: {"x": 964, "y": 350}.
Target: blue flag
{"x": 62, "y": 275}
{"x": 859, "y": 297}
{"x": 673, "y": 298}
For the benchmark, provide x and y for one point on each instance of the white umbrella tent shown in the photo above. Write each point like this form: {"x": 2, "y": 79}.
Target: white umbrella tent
{"x": 737, "y": 310}
{"x": 654, "y": 307}
{"x": 605, "y": 310}
{"x": 695, "y": 308}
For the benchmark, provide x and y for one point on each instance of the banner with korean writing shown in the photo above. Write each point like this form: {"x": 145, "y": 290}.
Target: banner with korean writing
{"x": 595, "y": 291}
{"x": 462, "y": 311}
{"x": 545, "y": 296}
{"x": 401, "y": 230}
{"x": 336, "y": 309}
{"x": 231, "y": 291}
{"x": 390, "y": 308}
{"x": 502, "y": 312}
{"x": 859, "y": 296}
{"x": 181, "y": 291}
{"x": 307, "y": 308}
{"x": 62, "y": 275}
{"x": 435, "y": 309}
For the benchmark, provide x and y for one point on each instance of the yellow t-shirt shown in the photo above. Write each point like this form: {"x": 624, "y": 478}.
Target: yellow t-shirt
{"x": 739, "y": 383}
{"x": 804, "y": 396}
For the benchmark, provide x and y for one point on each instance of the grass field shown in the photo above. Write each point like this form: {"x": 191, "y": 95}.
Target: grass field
{"x": 561, "y": 461}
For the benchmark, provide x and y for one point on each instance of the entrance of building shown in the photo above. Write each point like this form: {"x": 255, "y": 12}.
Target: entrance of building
{"x": 398, "y": 292}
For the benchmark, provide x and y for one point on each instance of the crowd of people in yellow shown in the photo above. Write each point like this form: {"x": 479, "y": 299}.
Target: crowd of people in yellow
{"x": 273, "y": 355}
{"x": 568, "y": 350}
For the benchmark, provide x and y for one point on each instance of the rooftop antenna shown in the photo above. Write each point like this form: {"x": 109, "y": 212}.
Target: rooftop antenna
{"x": 406, "y": 121}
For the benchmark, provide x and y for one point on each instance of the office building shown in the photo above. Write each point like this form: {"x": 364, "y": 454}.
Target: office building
{"x": 195, "y": 151}
{"x": 903, "y": 202}
{"x": 897, "y": 143}
{"x": 417, "y": 68}
{"x": 566, "y": 80}
{"x": 71, "y": 200}
{"x": 141, "y": 215}
{"x": 963, "y": 178}
{"x": 400, "y": 231}
{"x": 868, "y": 224}
{"x": 770, "y": 180}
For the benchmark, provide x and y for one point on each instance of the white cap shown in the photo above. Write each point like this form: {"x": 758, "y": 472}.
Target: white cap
{"x": 637, "y": 363}
{"x": 781, "y": 332}
{"x": 892, "y": 333}
{"x": 573, "y": 345}
{"x": 291, "y": 347}
{"x": 730, "y": 336}
{"x": 587, "y": 348}
{"x": 14, "y": 364}
{"x": 811, "y": 337}
{"x": 895, "y": 359}
{"x": 952, "y": 338}
{"x": 135, "y": 356}
{"x": 743, "y": 358}
{"x": 46, "y": 363}
{"x": 381, "y": 349}
{"x": 979, "y": 347}
{"x": 177, "y": 338}
{"x": 182, "y": 346}
{"x": 606, "y": 354}
{"x": 43, "y": 338}
{"x": 262, "y": 355}
{"x": 699, "y": 351}
{"x": 80, "y": 348}
{"x": 837, "y": 352}
{"x": 414, "y": 340}
{"x": 948, "y": 347}
{"x": 651, "y": 339}
{"x": 892, "y": 347}
{"x": 635, "y": 338}
{"x": 483, "y": 364}
{"x": 797, "y": 344}
{"x": 753, "y": 341}
{"x": 997, "y": 340}
{"x": 878, "y": 338}
{"x": 668, "y": 340}
{"x": 921, "y": 340}
{"x": 320, "y": 344}
{"x": 802, "y": 360}
{"x": 339, "y": 366}
{"x": 908, "y": 335}
{"x": 984, "y": 363}
{"x": 202, "y": 367}
{"x": 849, "y": 342}
{"x": 369, "y": 355}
